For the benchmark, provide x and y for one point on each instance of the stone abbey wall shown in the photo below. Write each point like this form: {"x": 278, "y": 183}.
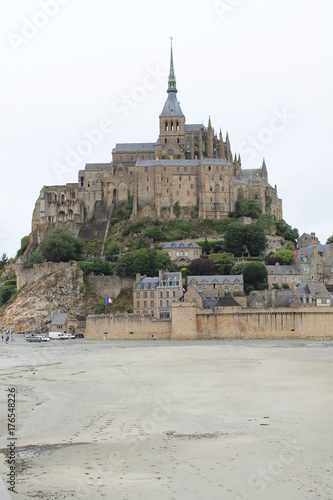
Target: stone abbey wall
{"x": 188, "y": 323}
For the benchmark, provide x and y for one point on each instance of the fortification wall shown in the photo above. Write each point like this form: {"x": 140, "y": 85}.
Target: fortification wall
{"x": 126, "y": 327}
{"x": 26, "y": 276}
{"x": 266, "y": 324}
{"x": 110, "y": 285}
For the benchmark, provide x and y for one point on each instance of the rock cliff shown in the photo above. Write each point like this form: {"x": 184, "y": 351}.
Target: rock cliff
{"x": 36, "y": 303}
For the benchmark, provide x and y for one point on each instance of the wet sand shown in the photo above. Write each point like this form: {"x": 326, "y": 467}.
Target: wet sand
{"x": 236, "y": 420}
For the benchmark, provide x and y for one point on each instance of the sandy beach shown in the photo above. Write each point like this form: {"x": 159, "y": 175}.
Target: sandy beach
{"x": 236, "y": 420}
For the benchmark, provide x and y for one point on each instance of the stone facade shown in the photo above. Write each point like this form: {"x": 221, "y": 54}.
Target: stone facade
{"x": 155, "y": 296}
{"x": 279, "y": 275}
{"x": 182, "y": 252}
{"x": 189, "y": 166}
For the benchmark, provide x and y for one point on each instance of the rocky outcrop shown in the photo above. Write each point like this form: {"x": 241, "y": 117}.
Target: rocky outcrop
{"x": 36, "y": 303}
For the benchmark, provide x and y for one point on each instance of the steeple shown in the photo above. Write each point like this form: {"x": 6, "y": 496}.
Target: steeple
{"x": 172, "y": 77}
{"x": 172, "y": 107}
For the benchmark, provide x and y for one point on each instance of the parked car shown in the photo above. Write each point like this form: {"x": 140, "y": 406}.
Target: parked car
{"x": 43, "y": 338}
{"x": 79, "y": 336}
{"x": 72, "y": 336}
{"x": 33, "y": 338}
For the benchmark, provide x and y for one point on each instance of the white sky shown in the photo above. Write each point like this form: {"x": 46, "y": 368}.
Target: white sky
{"x": 242, "y": 62}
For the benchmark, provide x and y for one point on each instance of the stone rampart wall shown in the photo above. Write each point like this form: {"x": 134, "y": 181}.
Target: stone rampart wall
{"x": 188, "y": 322}
{"x": 126, "y": 327}
{"x": 38, "y": 271}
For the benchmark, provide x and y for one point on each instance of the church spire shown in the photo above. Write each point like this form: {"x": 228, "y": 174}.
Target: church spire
{"x": 172, "y": 77}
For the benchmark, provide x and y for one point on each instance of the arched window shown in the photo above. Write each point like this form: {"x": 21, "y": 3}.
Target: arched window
{"x": 166, "y": 127}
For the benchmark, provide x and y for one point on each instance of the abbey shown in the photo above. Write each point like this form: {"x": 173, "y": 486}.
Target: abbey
{"x": 189, "y": 167}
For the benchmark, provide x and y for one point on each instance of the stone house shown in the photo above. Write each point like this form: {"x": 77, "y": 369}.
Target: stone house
{"x": 59, "y": 323}
{"x": 154, "y": 296}
{"x": 314, "y": 295}
{"x": 232, "y": 284}
{"x": 182, "y": 252}
{"x": 306, "y": 240}
{"x": 279, "y": 275}
{"x": 315, "y": 262}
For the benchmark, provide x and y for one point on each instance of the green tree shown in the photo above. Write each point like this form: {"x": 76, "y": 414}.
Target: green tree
{"x": 34, "y": 258}
{"x": 240, "y": 208}
{"x": 97, "y": 267}
{"x": 224, "y": 264}
{"x": 202, "y": 267}
{"x": 154, "y": 233}
{"x": 238, "y": 268}
{"x": 286, "y": 255}
{"x": 329, "y": 240}
{"x": 246, "y": 208}
{"x": 61, "y": 245}
{"x": 255, "y": 239}
{"x": 176, "y": 209}
{"x": 3, "y": 260}
{"x": 252, "y": 209}
{"x": 254, "y": 274}
{"x": 233, "y": 239}
{"x": 144, "y": 261}
{"x": 6, "y": 293}
{"x": 267, "y": 223}
{"x": 283, "y": 229}
{"x": 24, "y": 244}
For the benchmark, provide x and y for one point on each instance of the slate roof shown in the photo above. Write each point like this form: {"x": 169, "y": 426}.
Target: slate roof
{"x": 283, "y": 270}
{"x": 227, "y": 301}
{"x": 220, "y": 279}
{"x": 196, "y": 127}
{"x": 170, "y": 163}
{"x": 251, "y": 172}
{"x": 148, "y": 147}
{"x": 172, "y": 106}
{"x": 307, "y": 251}
{"x": 316, "y": 290}
{"x": 183, "y": 163}
{"x": 146, "y": 283}
{"x": 180, "y": 244}
{"x": 214, "y": 161}
{"x": 283, "y": 298}
{"x": 59, "y": 319}
{"x": 172, "y": 279}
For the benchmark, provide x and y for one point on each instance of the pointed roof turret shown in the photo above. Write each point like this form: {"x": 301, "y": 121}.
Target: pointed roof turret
{"x": 263, "y": 170}
{"x": 172, "y": 106}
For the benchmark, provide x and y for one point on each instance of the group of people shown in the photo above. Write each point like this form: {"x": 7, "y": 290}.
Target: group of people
{"x": 6, "y": 336}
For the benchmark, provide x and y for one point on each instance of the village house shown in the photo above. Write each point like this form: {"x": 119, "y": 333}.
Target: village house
{"x": 154, "y": 296}
{"x": 182, "y": 252}
{"x": 283, "y": 276}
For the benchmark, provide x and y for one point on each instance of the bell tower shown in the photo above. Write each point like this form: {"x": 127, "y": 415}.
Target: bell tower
{"x": 172, "y": 121}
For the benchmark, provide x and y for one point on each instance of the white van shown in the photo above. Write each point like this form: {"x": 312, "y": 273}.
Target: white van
{"x": 56, "y": 335}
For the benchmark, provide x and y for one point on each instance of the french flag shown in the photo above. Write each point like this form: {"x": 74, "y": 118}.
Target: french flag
{"x": 109, "y": 300}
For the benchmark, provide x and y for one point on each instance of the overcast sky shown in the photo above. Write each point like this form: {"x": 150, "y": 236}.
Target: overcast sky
{"x": 261, "y": 69}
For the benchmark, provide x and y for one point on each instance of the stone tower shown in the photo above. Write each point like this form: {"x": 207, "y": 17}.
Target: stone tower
{"x": 172, "y": 122}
